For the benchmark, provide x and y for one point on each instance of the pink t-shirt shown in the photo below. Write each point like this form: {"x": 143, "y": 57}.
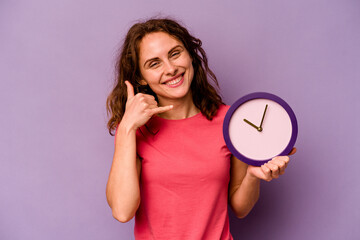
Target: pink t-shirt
{"x": 184, "y": 179}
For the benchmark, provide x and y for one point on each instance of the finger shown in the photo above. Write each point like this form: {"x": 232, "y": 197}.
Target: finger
{"x": 286, "y": 160}
{"x": 151, "y": 102}
{"x": 274, "y": 169}
{"x": 145, "y": 97}
{"x": 130, "y": 90}
{"x": 267, "y": 172}
{"x": 280, "y": 162}
{"x": 293, "y": 151}
{"x": 153, "y": 105}
{"x": 149, "y": 99}
{"x": 161, "y": 109}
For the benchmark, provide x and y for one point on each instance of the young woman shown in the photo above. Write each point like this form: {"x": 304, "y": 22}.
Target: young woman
{"x": 171, "y": 168}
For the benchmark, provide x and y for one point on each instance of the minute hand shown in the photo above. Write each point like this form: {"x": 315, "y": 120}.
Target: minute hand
{"x": 263, "y": 117}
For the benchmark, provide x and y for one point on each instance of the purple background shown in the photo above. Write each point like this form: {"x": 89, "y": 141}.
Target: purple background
{"x": 56, "y": 65}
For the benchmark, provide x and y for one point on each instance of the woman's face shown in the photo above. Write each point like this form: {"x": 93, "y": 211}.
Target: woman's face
{"x": 165, "y": 66}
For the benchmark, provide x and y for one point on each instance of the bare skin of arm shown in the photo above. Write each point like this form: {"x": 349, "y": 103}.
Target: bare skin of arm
{"x": 244, "y": 187}
{"x": 123, "y": 188}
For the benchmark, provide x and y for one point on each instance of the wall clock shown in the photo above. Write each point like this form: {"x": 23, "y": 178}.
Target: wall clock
{"x": 258, "y": 127}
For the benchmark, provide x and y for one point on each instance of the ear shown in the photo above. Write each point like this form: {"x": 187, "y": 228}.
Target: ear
{"x": 143, "y": 82}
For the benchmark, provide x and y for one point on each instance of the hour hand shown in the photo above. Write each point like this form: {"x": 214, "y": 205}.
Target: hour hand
{"x": 251, "y": 124}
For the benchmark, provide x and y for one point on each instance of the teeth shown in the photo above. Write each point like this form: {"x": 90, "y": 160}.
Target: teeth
{"x": 173, "y": 82}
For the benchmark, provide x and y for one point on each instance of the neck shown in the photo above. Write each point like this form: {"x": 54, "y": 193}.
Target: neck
{"x": 183, "y": 108}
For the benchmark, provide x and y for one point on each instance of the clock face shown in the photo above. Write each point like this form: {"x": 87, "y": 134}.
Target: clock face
{"x": 258, "y": 127}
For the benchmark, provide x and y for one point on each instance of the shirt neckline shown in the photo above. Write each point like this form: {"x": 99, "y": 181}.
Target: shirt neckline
{"x": 199, "y": 114}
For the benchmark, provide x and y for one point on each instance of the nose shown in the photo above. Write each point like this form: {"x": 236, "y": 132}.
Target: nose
{"x": 170, "y": 68}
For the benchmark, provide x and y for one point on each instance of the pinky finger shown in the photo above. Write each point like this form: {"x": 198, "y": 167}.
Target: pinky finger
{"x": 161, "y": 109}
{"x": 267, "y": 172}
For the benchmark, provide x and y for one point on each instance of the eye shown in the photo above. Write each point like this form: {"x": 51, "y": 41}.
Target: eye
{"x": 174, "y": 54}
{"x": 153, "y": 64}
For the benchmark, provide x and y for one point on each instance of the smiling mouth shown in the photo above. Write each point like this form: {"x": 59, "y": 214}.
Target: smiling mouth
{"x": 174, "y": 80}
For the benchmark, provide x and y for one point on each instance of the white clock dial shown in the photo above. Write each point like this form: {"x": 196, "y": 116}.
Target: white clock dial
{"x": 276, "y": 129}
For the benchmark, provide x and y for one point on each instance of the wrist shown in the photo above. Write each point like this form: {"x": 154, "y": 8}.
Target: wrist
{"x": 250, "y": 177}
{"x": 127, "y": 127}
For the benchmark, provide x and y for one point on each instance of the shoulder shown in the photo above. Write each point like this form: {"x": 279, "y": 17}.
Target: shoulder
{"x": 224, "y": 107}
{"x": 222, "y": 110}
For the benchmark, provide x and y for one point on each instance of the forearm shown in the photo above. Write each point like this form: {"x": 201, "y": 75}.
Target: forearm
{"x": 122, "y": 190}
{"x": 245, "y": 196}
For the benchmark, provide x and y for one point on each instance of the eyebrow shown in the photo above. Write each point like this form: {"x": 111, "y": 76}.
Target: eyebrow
{"x": 156, "y": 58}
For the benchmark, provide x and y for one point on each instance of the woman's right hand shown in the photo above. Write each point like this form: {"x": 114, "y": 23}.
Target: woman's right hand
{"x": 140, "y": 108}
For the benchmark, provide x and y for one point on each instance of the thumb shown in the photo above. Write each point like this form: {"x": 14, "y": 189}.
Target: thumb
{"x": 130, "y": 90}
{"x": 293, "y": 151}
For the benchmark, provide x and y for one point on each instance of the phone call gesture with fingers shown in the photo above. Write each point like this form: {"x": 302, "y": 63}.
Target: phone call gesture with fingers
{"x": 140, "y": 108}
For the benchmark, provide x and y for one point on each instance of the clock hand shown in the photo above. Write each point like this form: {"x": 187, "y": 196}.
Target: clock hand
{"x": 263, "y": 118}
{"x": 251, "y": 124}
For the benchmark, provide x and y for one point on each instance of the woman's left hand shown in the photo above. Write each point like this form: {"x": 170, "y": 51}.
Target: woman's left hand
{"x": 271, "y": 169}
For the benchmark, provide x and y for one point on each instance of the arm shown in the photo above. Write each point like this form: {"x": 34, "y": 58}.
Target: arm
{"x": 244, "y": 187}
{"x": 123, "y": 188}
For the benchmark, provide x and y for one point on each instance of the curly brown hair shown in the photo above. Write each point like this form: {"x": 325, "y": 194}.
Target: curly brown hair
{"x": 206, "y": 99}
